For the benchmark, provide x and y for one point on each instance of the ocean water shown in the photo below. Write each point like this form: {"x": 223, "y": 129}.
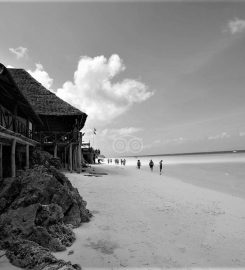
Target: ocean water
{"x": 187, "y": 159}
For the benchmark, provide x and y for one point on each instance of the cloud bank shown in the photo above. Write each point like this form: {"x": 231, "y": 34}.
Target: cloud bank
{"x": 236, "y": 26}
{"x": 42, "y": 76}
{"x": 94, "y": 91}
{"x": 19, "y": 52}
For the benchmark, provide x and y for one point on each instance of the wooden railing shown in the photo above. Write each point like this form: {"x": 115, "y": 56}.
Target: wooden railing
{"x": 11, "y": 122}
{"x": 48, "y": 137}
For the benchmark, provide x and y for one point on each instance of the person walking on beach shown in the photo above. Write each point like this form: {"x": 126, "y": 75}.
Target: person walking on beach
{"x": 151, "y": 164}
{"x": 138, "y": 164}
{"x": 124, "y": 162}
{"x": 160, "y": 167}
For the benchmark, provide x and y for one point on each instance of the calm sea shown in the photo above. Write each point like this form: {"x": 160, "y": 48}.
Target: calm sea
{"x": 188, "y": 159}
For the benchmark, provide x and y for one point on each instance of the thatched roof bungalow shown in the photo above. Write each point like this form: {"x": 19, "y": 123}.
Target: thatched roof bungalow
{"x": 17, "y": 120}
{"x": 47, "y": 105}
{"x": 61, "y": 121}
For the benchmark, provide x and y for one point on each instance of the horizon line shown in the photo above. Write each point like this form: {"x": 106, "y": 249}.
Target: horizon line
{"x": 191, "y": 153}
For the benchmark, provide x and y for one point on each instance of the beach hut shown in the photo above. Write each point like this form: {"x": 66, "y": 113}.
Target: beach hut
{"x": 60, "y": 133}
{"x": 17, "y": 121}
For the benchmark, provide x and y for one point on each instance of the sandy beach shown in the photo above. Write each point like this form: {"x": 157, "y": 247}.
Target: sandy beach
{"x": 144, "y": 220}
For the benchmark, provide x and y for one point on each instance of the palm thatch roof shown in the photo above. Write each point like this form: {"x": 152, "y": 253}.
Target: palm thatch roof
{"x": 11, "y": 95}
{"x": 42, "y": 100}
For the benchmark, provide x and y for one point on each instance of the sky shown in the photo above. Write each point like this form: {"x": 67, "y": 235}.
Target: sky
{"x": 153, "y": 77}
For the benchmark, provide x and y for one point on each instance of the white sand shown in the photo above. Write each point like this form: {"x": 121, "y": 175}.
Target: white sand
{"x": 144, "y": 220}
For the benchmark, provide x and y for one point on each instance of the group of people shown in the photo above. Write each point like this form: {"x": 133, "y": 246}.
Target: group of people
{"x": 109, "y": 160}
{"x": 117, "y": 161}
{"x": 151, "y": 165}
{"x": 123, "y": 162}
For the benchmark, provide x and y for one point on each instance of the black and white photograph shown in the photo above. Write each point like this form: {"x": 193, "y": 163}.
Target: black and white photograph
{"x": 122, "y": 134}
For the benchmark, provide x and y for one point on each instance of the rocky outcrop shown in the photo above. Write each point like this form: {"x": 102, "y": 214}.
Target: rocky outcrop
{"x": 29, "y": 255}
{"x": 37, "y": 213}
{"x": 39, "y": 157}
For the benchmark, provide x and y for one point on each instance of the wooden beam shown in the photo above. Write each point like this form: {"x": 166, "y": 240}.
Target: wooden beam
{"x": 27, "y": 156}
{"x": 70, "y": 157}
{"x": 8, "y": 134}
{"x": 1, "y": 161}
{"x": 13, "y": 165}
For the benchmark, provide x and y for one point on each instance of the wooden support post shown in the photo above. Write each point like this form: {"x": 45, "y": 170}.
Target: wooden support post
{"x": 55, "y": 150}
{"x": 13, "y": 166}
{"x": 75, "y": 158}
{"x": 70, "y": 157}
{"x": 27, "y": 156}
{"x": 79, "y": 157}
{"x": 81, "y": 143}
{"x": 1, "y": 161}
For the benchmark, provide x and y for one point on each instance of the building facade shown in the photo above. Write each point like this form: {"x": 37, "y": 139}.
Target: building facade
{"x": 59, "y": 133}
{"x": 17, "y": 122}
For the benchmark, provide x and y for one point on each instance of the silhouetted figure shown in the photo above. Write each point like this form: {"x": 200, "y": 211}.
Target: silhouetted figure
{"x": 160, "y": 167}
{"x": 151, "y": 164}
{"x": 138, "y": 164}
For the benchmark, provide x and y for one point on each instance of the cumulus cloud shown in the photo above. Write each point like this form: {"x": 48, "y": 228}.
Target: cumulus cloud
{"x": 94, "y": 92}
{"x": 236, "y": 26}
{"x": 19, "y": 52}
{"x": 42, "y": 76}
